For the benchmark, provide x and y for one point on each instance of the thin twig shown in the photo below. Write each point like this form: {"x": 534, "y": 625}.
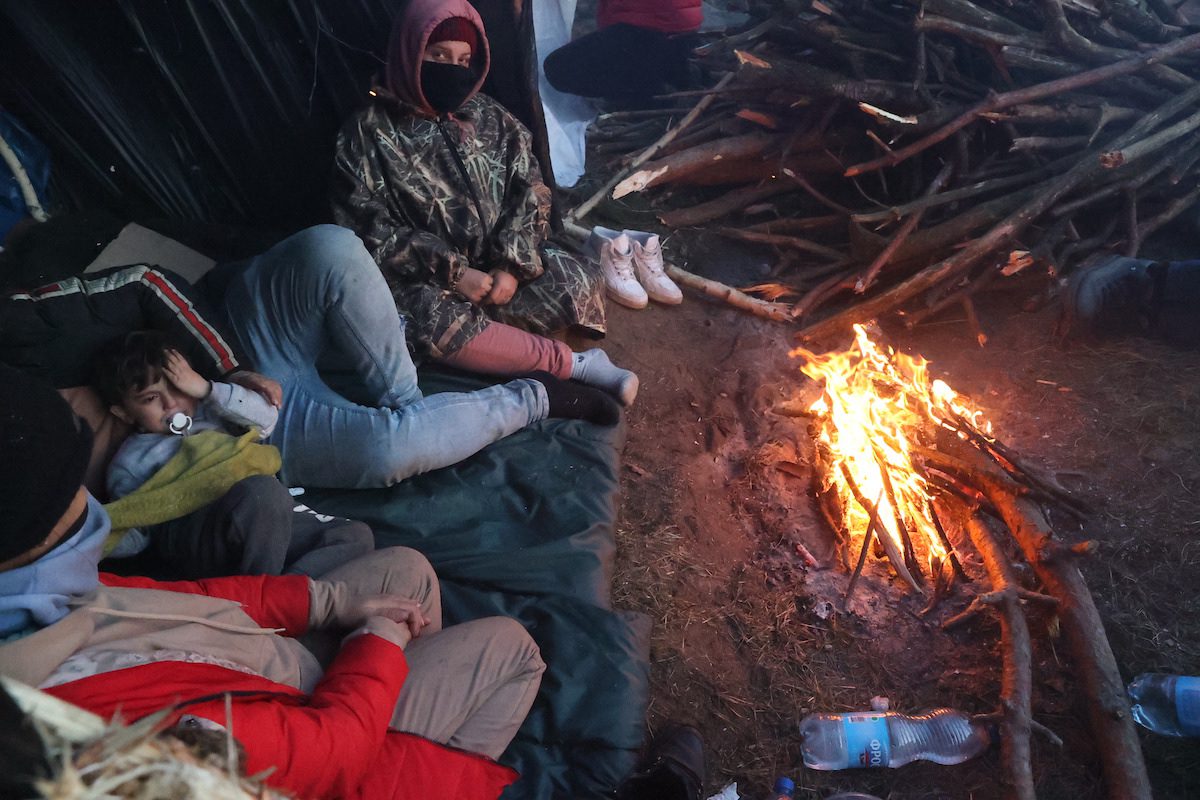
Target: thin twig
{"x": 862, "y": 554}
{"x": 907, "y": 228}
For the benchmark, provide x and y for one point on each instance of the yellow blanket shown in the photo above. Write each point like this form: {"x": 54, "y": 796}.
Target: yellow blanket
{"x": 207, "y": 465}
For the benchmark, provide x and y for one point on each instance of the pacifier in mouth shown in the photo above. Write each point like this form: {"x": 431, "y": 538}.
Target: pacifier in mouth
{"x": 179, "y": 423}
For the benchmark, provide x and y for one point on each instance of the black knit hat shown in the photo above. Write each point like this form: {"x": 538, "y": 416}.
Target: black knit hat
{"x": 44, "y": 452}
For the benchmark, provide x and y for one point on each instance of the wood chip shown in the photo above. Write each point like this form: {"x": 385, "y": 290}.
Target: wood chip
{"x": 748, "y": 58}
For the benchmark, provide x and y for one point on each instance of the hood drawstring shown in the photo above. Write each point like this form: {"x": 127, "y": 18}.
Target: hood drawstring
{"x": 221, "y": 626}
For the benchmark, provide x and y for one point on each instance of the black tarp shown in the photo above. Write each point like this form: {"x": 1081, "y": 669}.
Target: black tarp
{"x": 215, "y": 110}
{"x": 525, "y": 529}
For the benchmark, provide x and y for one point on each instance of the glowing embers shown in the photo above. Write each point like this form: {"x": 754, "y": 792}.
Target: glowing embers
{"x": 877, "y": 407}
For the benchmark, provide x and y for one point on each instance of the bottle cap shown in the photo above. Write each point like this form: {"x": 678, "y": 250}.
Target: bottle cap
{"x": 785, "y": 785}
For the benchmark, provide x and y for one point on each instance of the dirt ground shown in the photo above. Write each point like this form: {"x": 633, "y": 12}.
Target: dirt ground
{"x": 748, "y": 638}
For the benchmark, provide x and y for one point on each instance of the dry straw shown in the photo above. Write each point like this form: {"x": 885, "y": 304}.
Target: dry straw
{"x": 93, "y": 759}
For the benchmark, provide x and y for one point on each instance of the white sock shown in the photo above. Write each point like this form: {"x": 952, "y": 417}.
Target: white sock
{"x": 594, "y": 368}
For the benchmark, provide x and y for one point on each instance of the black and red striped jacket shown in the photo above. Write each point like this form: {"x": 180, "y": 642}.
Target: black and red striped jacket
{"x": 54, "y": 331}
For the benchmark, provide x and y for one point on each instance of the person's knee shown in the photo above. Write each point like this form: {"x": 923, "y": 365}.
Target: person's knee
{"x": 524, "y": 655}
{"x": 355, "y": 533}
{"x": 264, "y": 493}
{"x": 404, "y": 565}
{"x": 395, "y": 570}
{"x": 558, "y": 70}
{"x": 330, "y": 250}
{"x": 327, "y": 237}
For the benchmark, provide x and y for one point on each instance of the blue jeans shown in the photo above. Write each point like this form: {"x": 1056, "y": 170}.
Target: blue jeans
{"x": 320, "y": 290}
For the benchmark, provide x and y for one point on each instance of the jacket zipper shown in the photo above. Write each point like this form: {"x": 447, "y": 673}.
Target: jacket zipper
{"x": 462, "y": 170}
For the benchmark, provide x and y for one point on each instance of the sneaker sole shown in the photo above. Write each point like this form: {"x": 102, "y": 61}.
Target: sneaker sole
{"x": 667, "y": 301}
{"x": 625, "y": 301}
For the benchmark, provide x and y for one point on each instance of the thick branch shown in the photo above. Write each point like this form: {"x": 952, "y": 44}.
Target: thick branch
{"x": 1112, "y": 726}
{"x": 727, "y": 203}
{"x": 1028, "y": 95}
{"x": 1017, "y": 687}
{"x": 735, "y": 298}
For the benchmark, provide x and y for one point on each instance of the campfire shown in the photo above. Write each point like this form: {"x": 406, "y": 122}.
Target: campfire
{"x": 903, "y": 460}
{"x": 876, "y": 407}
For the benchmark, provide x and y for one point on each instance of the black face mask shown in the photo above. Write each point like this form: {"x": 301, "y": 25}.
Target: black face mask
{"x": 446, "y": 86}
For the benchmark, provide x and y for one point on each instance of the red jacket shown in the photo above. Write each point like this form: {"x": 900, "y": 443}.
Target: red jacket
{"x": 333, "y": 743}
{"x": 668, "y": 16}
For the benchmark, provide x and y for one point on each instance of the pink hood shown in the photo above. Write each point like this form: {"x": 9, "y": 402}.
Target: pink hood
{"x": 409, "y": 36}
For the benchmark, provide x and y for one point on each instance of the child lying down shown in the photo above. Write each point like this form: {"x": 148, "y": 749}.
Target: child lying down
{"x": 194, "y": 479}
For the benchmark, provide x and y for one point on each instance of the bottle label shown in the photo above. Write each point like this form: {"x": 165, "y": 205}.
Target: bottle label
{"x": 867, "y": 741}
{"x": 1187, "y": 705}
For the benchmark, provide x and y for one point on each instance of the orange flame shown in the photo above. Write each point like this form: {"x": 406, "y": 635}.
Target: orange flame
{"x": 875, "y": 406}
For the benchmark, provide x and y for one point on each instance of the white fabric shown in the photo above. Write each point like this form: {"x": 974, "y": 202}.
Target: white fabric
{"x": 138, "y": 245}
{"x": 567, "y": 115}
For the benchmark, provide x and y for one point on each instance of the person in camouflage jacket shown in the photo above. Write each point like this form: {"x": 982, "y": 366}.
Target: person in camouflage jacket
{"x": 451, "y": 204}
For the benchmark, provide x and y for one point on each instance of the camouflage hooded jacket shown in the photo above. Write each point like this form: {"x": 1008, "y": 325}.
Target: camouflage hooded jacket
{"x": 397, "y": 183}
{"x": 431, "y": 195}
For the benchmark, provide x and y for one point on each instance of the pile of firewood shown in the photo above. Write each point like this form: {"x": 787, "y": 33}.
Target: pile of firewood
{"x": 902, "y": 155}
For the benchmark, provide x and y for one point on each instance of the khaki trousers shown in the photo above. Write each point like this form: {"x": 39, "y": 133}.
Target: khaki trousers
{"x": 470, "y": 685}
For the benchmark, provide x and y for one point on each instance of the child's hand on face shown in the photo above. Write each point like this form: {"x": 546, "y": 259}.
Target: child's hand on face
{"x": 180, "y": 373}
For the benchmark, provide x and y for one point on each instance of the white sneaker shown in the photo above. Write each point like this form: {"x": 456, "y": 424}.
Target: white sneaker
{"x": 616, "y": 263}
{"x": 648, "y": 265}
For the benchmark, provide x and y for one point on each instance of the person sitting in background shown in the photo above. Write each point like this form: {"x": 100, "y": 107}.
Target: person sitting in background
{"x": 401, "y": 710}
{"x": 641, "y": 48}
{"x": 1114, "y": 295}
{"x": 442, "y": 184}
{"x": 201, "y": 491}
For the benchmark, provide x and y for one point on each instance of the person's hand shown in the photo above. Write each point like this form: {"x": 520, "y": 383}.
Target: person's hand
{"x": 474, "y": 285}
{"x": 384, "y": 628}
{"x": 181, "y": 375}
{"x": 269, "y": 388}
{"x": 504, "y": 286}
{"x": 398, "y": 609}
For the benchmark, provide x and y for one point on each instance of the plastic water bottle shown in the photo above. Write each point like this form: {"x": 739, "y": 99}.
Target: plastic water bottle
{"x": 784, "y": 787}
{"x": 872, "y": 739}
{"x": 1167, "y": 704}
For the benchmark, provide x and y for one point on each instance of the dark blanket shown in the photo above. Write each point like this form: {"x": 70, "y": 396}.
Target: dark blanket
{"x": 525, "y": 529}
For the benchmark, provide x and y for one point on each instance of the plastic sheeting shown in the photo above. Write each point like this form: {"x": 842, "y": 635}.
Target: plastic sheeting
{"x": 214, "y": 110}
{"x": 567, "y": 115}
{"x": 33, "y": 158}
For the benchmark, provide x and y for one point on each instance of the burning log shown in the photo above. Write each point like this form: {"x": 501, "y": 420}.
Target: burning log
{"x": 875, "y": 526}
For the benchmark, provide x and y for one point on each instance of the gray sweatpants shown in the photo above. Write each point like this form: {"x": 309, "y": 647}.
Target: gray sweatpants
{"x": 254, "y": 529}
{"x": 469, "y": 685}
